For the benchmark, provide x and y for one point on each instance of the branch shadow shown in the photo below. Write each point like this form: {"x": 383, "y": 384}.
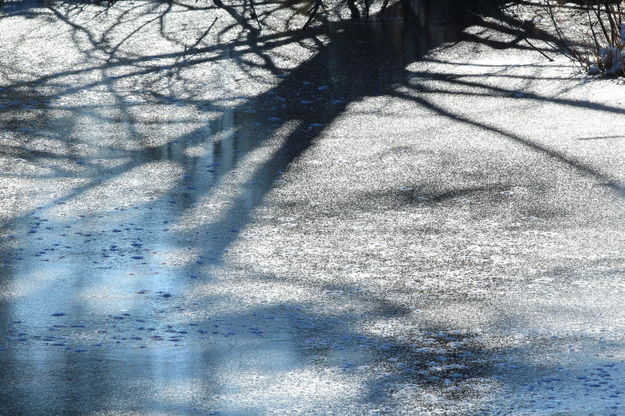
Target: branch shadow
{"x": 366, "y": 61}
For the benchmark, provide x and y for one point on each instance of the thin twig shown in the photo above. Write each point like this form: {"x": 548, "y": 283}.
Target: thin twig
{"x": 537, "y": 50}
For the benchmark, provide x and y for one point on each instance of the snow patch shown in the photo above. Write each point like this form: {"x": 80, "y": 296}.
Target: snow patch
{"x": 611, "y": 59}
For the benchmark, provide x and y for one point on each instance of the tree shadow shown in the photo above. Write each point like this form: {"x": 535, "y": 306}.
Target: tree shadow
{"x": 350, "y": 62}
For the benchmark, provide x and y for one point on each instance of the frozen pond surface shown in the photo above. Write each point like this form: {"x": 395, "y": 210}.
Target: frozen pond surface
{"x": 200, "y": 217}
